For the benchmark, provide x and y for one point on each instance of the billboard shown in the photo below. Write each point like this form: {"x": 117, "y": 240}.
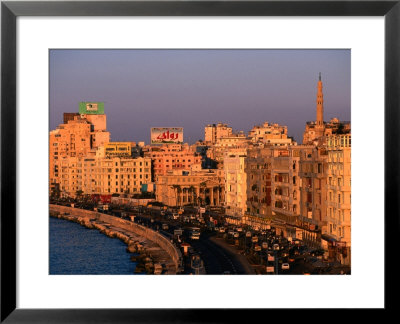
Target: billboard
{"x": 161, "y": 135}
{"x": 91, "y": 108}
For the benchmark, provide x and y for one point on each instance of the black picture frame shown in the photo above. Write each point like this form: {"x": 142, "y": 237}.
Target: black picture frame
{"x": 10, "y": 10}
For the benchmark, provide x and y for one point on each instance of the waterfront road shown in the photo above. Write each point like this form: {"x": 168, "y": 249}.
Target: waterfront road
{"x": 219, "y": 257}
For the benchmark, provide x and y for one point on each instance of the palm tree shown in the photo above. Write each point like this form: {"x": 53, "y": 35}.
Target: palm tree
{"x": 203, "y": 185}
{"x": 79, "y": 194}
{"x": 192, "y": 190}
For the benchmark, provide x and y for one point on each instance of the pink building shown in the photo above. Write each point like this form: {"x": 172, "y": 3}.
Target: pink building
{"x": 171, "y": 157}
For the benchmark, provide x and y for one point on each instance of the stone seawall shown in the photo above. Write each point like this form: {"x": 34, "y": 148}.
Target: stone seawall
{"x": 90, "y": 218}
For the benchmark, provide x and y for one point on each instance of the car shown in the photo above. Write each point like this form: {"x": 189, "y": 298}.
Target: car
{"x": 285, "y": 266}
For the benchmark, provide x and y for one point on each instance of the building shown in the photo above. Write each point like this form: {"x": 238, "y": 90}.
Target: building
{"x": 316, "y": 131}
{"x": 312, "y": 172}
{"x": 258, "y": 169}
{"x": 200, "y": 187}
{"x": 285, "y": 193}
{"x": 169, "y": 157}
{"x": 273, "y": 183}
{"x": 235, "y": 143}
{"x": 103, "y": 175}
{"x": 235, "y": 184}
{"x": 214, "y": 132}
{"x": 336, "y": 236}
{"x": 79, "y": 137}
{"x": 69, "y": 116}
{"x": 272, "y": 134}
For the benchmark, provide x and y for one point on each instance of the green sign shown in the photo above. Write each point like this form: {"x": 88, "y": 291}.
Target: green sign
{"x": 91, "y": 108}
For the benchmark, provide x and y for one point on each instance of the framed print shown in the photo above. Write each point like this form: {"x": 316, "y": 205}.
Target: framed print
{"x": 180, "y": 56}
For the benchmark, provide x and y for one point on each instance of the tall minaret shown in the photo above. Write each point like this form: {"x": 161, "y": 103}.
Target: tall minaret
{"x": 320, "y": 103}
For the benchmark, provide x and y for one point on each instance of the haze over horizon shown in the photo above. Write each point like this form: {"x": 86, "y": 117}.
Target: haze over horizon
{"x": 192, "y": 88}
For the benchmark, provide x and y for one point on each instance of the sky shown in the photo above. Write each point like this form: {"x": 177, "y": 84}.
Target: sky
{"x": 192, "y": 88}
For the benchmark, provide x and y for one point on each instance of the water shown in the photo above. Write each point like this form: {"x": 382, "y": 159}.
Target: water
{"x": 77, "y": 250}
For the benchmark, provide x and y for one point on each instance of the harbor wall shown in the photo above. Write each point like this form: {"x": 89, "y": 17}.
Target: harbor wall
{"x": 140, "y": 230}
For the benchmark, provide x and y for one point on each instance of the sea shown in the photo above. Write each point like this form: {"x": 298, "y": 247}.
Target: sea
{"x": 77, "y": 250}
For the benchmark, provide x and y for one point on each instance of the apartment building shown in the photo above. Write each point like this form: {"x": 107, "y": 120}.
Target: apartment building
{"x": 169, "y": 157}
{"x": 98, "y": 175}
{"x": 235, "y": 184}
{"x": 336, "y": 236}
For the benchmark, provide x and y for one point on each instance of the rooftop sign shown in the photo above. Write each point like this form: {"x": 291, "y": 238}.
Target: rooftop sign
{"x": 161, "y": 135}
{"x": 91, "y": 108}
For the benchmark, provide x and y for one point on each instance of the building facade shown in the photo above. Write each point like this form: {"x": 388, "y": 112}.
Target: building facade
{"x": 268, "y": 133}
{"x": 201, "y": 187}
{"x": 80, "y": 136}
{"x": 101, "y": 175}
{"x": 170, "y": 157}
{"x": 214, "y": 132}
{"x": 235, "y": 184}
{"x": 337, "y": 233}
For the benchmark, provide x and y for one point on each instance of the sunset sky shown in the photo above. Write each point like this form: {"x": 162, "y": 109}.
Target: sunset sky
{"x": 192, "y": 88}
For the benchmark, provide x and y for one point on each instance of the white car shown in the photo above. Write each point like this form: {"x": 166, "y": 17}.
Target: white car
{"x": 285, "y": 266}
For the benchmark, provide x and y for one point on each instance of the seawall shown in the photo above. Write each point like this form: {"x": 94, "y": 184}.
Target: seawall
{"x": 125, "y": 230}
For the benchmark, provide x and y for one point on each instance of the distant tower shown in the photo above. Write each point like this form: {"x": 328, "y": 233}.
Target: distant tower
{"x": 320, "y": 103}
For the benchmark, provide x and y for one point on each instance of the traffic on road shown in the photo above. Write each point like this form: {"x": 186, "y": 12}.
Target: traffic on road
{"x": 210, "y": 245}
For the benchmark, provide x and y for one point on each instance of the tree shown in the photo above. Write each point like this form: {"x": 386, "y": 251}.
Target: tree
{"x": 192, "y": 190}
{"x": 203, "y": 186}
{"x": 79, "y": 193}
{"x": 340, "y": 129}
{"x": 56, "y": 192}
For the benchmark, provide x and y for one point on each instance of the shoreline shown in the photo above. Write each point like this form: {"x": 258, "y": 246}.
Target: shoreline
{"x": 151, "y": 259}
